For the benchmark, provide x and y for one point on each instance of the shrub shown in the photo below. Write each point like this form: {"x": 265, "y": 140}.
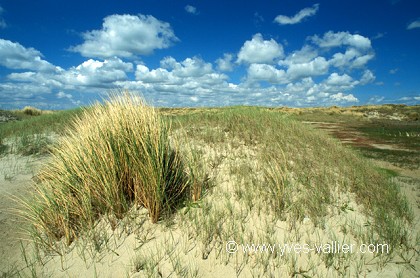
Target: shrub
{"x": 413, "y": 116}
{"x": 116, "y": 155}
{"x": 31, "y": 111}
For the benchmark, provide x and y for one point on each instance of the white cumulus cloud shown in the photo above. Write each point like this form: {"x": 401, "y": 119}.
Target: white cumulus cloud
{"x": 331, "y": 39}
{"x": 225, "y": 63}
{"x": 126, "y": 36}
{"x": 191, "y": 73}
{"x": 338, "y": 83}
{"x": 190, "y": 67}
{"x": 358, "y": 49}
{"x": 261, "y": 51}
{"x": 264, "y": 72}
{"x": 317, "y": 66}
{"x": 191, "y": 81}
{"x": 16, "y": 56}
{"x": 61, "y": 94}
{"x": 297, "y": 18}
{"x": 340, "y": 97}
{"x": 304, "y": 55}
{"x": 339, "y": 80}
{"x": 324, "y": 71}
{"x": 98, "y": 73}
{"x": 352, "y": 58}
{"x": 91, "y": 75}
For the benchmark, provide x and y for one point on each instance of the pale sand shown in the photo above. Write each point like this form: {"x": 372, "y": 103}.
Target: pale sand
{"x": 16, "y": 174}
{"x": 176, "y": 249}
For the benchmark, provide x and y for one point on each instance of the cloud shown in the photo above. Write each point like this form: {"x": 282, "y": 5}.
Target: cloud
{"x": 12, "y": 90}
{"x": 69, "y": 97}
{"x": 305, "y": 85}
{"x": 263, "y": 72}
{"x": 16, "y": 56}
{"x": 258, "y": 19}
{"x": 414, "y": 24}
{"x": 317, "y": 66}
{"x": 173, "y": 72}
{"x": 297, "y": 18}
{"x": 324, "y": 71}
{"x": 413, "y": 99}
{"x": 298, "y": 69}
{"x": 259, "y": 50}
{"x": 190, "y": 67}
{"x": 191, "y": 73}
{"x": 379, "y": 36}
{"x": 367, "y": 77}
{"x": 331, "y": 39}
{"x": 64, "y": 95}
{"x": 225, "y": 63}
{"x": 304, "y": 55}
{"x": 339, "y": 80}
{"x": 376, "y": 99}
{"x": 340, "y": 97}
{"x": 97, "y": 73}
{"x": 42, "y": 79}
{"x": 358, "y": 49}
{"x": 191, "y": 9}
{"x": 90, "y": 76}
{"x": 393, "y": 71}
{"x": 126, "y": 36}
{"x": 191, "y": 81}
{"x": 352, "y": 58}
{"x": 2, "y": 22}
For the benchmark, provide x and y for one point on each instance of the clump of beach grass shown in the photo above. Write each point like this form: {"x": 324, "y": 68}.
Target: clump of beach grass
{"x": 116, "y": 155}
{"x": 31, "y": 111}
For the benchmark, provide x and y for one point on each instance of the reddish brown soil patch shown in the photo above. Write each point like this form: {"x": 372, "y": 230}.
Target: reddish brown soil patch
{"x": 349, "y": 135}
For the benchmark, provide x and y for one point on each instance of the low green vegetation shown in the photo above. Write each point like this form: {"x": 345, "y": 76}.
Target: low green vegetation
{"x": 400, "y": 158}
{"x": 290, "y": 173}
{"x": 404, "y": 134}
{"x": 395, "y": 126}
{"x": 45, "y": 123}
{"x": 27, "y": 134}
{"x": 297, "y": 162}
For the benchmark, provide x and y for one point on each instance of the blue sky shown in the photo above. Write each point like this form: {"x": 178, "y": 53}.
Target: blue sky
{"x": 62, "y": 54}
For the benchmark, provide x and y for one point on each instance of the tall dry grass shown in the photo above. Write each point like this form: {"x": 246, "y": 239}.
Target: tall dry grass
{"x": 115, "y": 155}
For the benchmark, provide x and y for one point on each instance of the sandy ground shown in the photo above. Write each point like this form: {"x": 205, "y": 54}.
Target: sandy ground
{"x": 138, "y": 245}
{"x": 16, "y": 173}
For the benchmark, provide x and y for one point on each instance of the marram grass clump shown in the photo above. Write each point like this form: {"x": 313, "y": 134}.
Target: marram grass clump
{"x": 31, "y": 111}
{"x": 116, "y": 155}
